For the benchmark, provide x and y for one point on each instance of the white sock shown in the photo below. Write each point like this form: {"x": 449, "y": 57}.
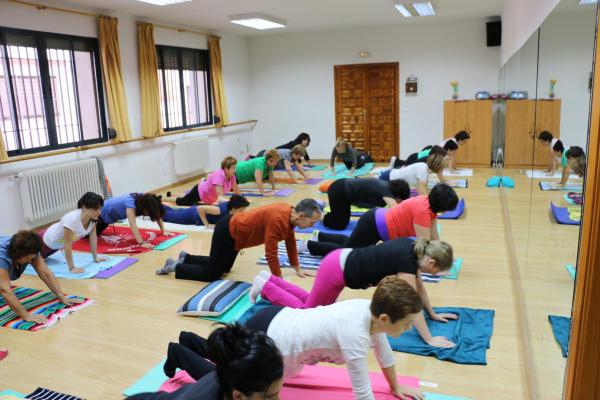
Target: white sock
{"x": 303, "y": 247}
{"x": 257, "y": 287}
{"x": 392, "y": 162}
{"x": 265, "y": 274}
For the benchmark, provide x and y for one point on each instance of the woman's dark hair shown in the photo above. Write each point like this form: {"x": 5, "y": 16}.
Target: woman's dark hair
{"x": 399, "y": 189}
{"x": 558, "y": 146}
{"x": 442, "y": 198}
{"x": 450, "y": 145}
{"x": 24, "y": 243}
{"x": 437, "y": 150}
{"x": 236, "y": 201}
{"x": 150, "y": 205}
{"x": 462, "y": 135}
{"x": 90, "y": 200}
{"x": 545, "y": 136}
{"x": 575, "y": 152}
{"x": 302, "y": 136}
{"x": 247, "y": 360}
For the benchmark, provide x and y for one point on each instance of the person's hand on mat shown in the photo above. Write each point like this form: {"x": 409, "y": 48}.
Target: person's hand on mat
{"x": 440, "y": 341}
{"x": 76, "y": 270}
{"x": 67, "y": 301}
{"x": 443, "y": 317}
{"x": 169, "y": 234}
{"x": 303, "y": 274}
{"x": 36, "y": 318}
{"x": 147, "y": 245}
{"x": 100, "y": 259}
{"x": 406, "y": 393}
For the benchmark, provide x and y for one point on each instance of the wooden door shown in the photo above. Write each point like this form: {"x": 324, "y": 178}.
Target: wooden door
{"x": 479, "y": 126}
{"x": 367, "y": 108}
{"x": 455, "y": 119}
{"x": 518, "y": 133}
{"x": 547, "y": 118}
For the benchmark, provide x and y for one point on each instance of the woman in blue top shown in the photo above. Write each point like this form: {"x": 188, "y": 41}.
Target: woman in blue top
{"x": 16, "y": 252}
{"x": 129, "y": 206}
{"x": 205, "y": 214}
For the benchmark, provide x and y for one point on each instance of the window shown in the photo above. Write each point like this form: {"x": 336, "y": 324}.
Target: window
{"x": 50, "y": 91}
{"x": 183, "y": 80}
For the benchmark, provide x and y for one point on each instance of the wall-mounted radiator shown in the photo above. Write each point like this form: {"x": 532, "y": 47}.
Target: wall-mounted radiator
{"x": 48, "y": 193}
{"x": 191, "y": 156}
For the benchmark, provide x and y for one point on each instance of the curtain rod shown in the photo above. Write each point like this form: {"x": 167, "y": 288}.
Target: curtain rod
{"x": 180, "y": 30}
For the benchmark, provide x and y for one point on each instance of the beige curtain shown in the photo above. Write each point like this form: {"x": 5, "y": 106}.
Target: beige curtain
{"x": 151, "y": 121}
{"x": 3, "y": 154}
{"x": 110, "y": 57}
{"x": 216, "y": 71}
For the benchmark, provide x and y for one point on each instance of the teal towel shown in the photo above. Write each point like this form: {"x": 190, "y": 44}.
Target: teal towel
{"x": 561, "y": 327}
{"x": 507, "y": 182}
{"x": 171, "y": 242}
{"x": 12, "y": 393}
{"x": 494, "y": 181}
{"x": 571, "y": 270}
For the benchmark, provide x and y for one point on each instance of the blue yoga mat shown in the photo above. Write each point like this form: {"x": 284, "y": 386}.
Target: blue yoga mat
{"x": 569, "y": 186}
{"x": 149, "y": 382}
{"x": 58, "y": 265}
{"x": 322, "y": 228}
{"x": 561, "y": 326}
{"x": 561, "y": 214}
{"x": 12, "y": 393}
{"x": 471, "y": 333}
{"x": 456, "y": 213}
{"x": 342, "y": 172}
{"x": 571, "y": 270}
{"x": 171, "y": 242}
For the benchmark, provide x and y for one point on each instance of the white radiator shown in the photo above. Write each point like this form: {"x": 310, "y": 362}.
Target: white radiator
{"x": 48, "y": 193}
{"x": 191, "y": 156}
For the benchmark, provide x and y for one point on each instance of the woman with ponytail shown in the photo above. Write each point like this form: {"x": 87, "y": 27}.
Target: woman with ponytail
{"x": 72, "y": 227}
{"x": 235, "y": 363}
{"x": 362, "y": 268}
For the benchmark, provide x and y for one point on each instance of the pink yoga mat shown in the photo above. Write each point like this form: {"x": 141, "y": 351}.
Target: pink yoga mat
{"x": 316, "y": 383}
{"x": 109, "y": 273}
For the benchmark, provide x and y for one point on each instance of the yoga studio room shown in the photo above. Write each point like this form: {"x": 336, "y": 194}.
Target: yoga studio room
{"x": 299, "y": 200}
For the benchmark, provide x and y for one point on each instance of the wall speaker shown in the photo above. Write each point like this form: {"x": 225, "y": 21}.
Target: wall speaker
{"x": 494, "y": 33}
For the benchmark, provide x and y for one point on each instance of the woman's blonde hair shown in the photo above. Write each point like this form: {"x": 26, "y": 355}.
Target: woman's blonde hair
{"x": 440, "y": 252}
{"x": 436, "y": 162}
{"x": 228, "y": 162}
{"x": 578, "y": 165}
{"x": 299, "y": 150}
{"x": 272, "y": 155}
{"x": 341, "y": 142}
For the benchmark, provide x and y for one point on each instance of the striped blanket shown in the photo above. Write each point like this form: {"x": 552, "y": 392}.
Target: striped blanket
{"x": 37, "y": 302}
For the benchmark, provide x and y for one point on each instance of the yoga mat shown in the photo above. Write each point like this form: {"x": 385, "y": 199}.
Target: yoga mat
{"x": 456, "y": 213}
{"x": 561, "y": 327}
{"x": 145, "y": 223}
{"x": 459, "y": 172}
{"x": 342, "y": 172}
{"x": 471, "y": 332}
{"x": 47, "y": 394}
{"x": 561, "y": 214}
{"x": 540, "y": 174}
{"x": 37, "y": 302}
{"x": 571, "y": 270}
{"x": 234, "y": 312}
{"x": 322, "y": 228}
{"x": 569, "y": 186}
{"x": 306, "y": 168}
{"x": 354, "y": 211}
{"x": 458, "y": 183}
{"x": 149, "y": 382}
{"x": 452, "y": 274}
{"x": 119, "y": 239}
{"x": 307, "y": 260}
{"x": 313, "y": 181}
{"x": 3, "y": 354}
{"x": 109, "y": 273}
{"x": 574, "y": 198}
{"x": 58, "y": 265}
{"x": 171, "y": 242}
{"x": 437, "y": 396}
{"x": 11, "y": 393}
{"x": 277, "y": 193}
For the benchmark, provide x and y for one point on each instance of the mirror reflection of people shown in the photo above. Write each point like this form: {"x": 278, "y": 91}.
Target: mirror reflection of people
{"x": 572, "y": 160}
{"x": 556, "y": 148}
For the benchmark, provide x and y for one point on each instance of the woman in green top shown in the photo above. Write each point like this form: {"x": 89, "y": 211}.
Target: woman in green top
{"x": 257, "y": 169}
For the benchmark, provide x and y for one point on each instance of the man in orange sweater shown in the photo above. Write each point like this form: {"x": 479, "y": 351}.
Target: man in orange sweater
{"x": 266, "y": 225}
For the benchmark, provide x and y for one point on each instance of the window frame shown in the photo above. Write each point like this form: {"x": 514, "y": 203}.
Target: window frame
{"x": 47, "y": 95}
{"x": 209, "y": 95}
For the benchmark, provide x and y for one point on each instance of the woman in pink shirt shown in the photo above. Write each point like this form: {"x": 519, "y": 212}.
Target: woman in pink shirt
{"x": 212, "y": 189}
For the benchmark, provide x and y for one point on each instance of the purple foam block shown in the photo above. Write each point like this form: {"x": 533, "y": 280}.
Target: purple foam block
{"x": 109, "y": 273}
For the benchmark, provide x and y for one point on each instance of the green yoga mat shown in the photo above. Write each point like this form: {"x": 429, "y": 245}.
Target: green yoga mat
{"x": 149, "y": 382}
{"x": 455, "y": 270}
{"x": 571, "y": 270}
{"x": 341, "y": 171}
{"x": 168, "y": 243}
{"x": 316, "y": 168}
{"x": 436, "y": 396}
{"x": 12, "y": 393}
{"x": 234, "y": 312}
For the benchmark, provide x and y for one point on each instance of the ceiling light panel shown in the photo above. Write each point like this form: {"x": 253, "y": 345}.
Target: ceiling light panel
{"x": 424, "y": 9}
{"x": 257, "y": 21}
{"x": 164, "y": 2}
{"x": 403, "y": 10}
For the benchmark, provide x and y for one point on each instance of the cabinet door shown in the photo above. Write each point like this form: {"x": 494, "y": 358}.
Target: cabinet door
{"x": 547, "y": 118}
{"x": 479, "y": 126}
{"x": 351, "y": 105}
{"x": 518, "y": 133}
{"x": 455, "y": 119}
{"x": 382, "y": 111}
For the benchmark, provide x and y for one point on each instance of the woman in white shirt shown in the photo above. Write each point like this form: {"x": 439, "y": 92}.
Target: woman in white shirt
{"x": 72, "y": 227}
{"x": 417, "y": 175}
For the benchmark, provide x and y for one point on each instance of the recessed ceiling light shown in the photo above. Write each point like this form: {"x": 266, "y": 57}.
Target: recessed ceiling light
{"x": 586, "y": 2}
{"x": 415, "y": 8}
{"x": 164, "y": 2}
{"x": 257, "y": 21}
{"x": 424, "y": 9}
{"x": 403, "y": 10}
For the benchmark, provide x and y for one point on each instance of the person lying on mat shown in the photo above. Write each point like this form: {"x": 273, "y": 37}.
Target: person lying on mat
{"x": 422, "y": 156}
{"x": 257, "y": 169}
{"x": 205, "y": 215}
{"x": 572, "y": 160}
{"x": 556, "y": 148}
{"x": 244, "y": 365}
{"x": 362, "y": 268}
{"x": 451, "y": 145}
{"x": 72, "y": 227}
{"x": 129, "y": 206}
{"x": 212, "y": 189}
{"x": 364, "y": 193}
{"x": 16, "y": 253}
{"x": 292, "y": 157}
{"x": 339, "y": 333}
{"x": 352, "y": 158}
{"x": 266, "y": 225}
{"x": 303, "y": 139}
{"x": 414, "y": 217}
{"x": 417, "y": 174}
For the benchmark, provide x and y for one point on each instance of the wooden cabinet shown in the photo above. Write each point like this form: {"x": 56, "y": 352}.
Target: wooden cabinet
{"x": 475, "y": 117}
{"x": 524, "y": 120}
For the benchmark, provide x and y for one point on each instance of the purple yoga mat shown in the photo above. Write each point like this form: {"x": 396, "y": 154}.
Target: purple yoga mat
{"x": 284, "y": 192}
{"x": 313, "y": 181}
{"x": 109, "y": 273}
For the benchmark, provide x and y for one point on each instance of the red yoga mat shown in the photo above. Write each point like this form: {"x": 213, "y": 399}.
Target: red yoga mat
{"x": 120, "y": 239}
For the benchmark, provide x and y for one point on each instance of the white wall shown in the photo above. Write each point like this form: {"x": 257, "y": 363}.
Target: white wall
{"x": 148, "y": 164}
{"x": 293, "y": 85}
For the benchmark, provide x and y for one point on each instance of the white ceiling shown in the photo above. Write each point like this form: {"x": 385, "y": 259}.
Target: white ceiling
{"x": 300, "y": 15}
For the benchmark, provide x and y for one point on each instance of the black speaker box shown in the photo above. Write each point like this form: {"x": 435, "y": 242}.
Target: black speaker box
{"x": 494, "y": 33}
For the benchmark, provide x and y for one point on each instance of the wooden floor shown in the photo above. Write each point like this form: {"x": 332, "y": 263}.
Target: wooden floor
{"x": 100, "y": 351}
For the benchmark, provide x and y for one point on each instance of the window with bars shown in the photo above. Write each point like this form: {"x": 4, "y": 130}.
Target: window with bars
{"x": 50, "y": 91}
{"x": 184, "y": 85}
